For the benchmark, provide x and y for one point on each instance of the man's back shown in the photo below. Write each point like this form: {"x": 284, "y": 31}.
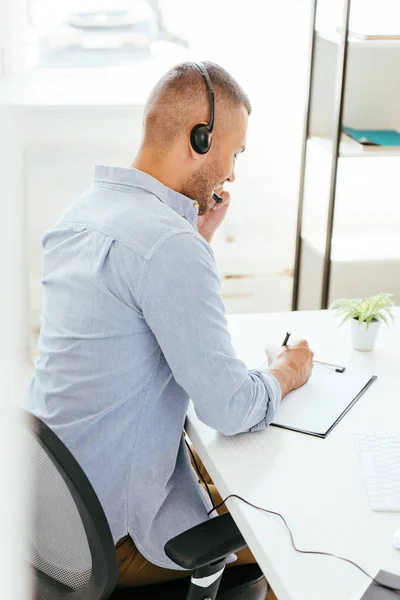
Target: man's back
{"x": 134, "y": 324}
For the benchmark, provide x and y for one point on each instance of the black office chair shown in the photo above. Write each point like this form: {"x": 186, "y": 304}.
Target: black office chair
{"x": 72, "y": 553}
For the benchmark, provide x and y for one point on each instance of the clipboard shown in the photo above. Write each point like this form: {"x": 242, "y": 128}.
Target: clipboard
{"x": 320, "y": 404}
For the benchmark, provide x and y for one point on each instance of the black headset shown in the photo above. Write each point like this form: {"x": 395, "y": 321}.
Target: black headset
{"x": 201, "y": 135}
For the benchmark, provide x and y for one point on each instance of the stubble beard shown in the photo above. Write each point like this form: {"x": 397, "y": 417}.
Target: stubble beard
{"x": 200, "y": 185}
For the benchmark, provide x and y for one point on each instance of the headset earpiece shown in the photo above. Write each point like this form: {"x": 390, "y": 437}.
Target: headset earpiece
{"x": 201, "y": 134}
{"x": 201, "y": 138}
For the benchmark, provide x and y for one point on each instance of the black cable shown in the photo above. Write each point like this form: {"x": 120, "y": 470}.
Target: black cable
{"x": 271, "y": 512}
{"x": 201, "y": 476}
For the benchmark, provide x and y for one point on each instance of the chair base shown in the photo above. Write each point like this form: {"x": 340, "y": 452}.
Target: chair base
{"x": 238, "y": 583}
{"x": 243, "y": 583}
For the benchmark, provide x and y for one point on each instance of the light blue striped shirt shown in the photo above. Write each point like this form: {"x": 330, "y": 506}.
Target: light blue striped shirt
{"x": 134, "y": 325}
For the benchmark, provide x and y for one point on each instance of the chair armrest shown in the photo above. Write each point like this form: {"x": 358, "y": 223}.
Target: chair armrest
{"x": 206, "y": 543}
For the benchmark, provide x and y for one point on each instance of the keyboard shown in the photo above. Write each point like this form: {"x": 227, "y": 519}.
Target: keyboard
{"x": 379, "y": 454}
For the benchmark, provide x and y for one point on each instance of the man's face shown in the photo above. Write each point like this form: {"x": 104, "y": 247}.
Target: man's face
{"x": 219, "y": 165}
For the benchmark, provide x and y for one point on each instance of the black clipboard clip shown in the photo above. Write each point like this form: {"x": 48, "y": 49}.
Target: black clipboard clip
{"x": 337, "y": 368}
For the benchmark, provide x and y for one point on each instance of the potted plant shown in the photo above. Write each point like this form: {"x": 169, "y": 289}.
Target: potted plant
{"x": 366, "y": 317}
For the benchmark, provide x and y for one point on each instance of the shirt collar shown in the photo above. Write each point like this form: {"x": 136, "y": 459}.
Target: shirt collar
{"x": 130, "y": 177}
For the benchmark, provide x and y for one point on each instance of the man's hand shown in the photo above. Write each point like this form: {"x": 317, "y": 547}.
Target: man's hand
{"x": 208, "y": 224}
{"x": 291, "y": 365}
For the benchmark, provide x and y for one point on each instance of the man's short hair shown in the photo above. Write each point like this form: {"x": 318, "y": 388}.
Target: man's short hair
{"x": 180, "y": 97}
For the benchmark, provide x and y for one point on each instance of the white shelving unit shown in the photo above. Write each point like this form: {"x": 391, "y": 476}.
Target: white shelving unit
{"x": 349, "y": 217}
{"x": 352, "y": 149}
{"x": 356, "y": 41}
{"x": 372, "y": 91}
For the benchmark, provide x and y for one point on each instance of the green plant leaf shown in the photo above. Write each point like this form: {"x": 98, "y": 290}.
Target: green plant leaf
{"x": 383, "y": 317}
{"x": 365, "y": 310}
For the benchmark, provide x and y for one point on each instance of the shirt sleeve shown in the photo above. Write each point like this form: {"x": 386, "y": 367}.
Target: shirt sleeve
{"x": 182, "y": 304}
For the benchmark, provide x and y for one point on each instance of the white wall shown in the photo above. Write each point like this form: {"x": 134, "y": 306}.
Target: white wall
{"x": 265, "y": 46}
{"x": 13, "y": 340}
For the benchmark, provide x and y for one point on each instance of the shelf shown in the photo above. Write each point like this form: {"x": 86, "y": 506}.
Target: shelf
{"x": 366, "y": 247}
{"x": 362, "y": 265}
{"x": 353, "y": 150}
{"x": 334, "y": 37}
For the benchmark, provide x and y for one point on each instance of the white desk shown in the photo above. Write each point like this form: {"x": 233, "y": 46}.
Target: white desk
{"x": 316, "y": 484}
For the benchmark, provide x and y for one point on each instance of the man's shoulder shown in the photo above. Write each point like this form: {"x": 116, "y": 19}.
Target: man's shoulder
{"x": 138, "y": 220}
{"x": 181, "y": 242}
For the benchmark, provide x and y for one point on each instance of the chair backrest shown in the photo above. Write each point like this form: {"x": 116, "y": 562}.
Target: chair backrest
{"x": 69, "y": 541}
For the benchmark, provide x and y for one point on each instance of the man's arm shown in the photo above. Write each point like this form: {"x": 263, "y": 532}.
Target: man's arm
{"x": 182, "y": 304}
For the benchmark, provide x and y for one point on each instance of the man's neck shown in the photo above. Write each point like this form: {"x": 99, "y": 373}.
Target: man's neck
{"x": 161, "y": 169}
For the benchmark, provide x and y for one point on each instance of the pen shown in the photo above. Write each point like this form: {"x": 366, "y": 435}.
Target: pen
{"x": 218, "y": 199}
{"x": 287, "y": 336}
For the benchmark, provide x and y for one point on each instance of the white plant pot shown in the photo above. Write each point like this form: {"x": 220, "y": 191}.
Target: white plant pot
{"x": 364, "y": 339}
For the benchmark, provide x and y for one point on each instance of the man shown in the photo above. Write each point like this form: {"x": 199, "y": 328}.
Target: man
{"x": 134, "y": 325}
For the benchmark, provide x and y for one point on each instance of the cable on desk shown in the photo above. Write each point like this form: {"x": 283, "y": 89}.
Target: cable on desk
{"x": 271, "y": 512}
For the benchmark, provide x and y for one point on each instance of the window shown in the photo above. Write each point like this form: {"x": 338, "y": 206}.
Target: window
{"x": 98, "y": 33}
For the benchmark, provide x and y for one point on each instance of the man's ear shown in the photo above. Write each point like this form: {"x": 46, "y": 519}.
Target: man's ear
{"x": 192, "y": 152}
